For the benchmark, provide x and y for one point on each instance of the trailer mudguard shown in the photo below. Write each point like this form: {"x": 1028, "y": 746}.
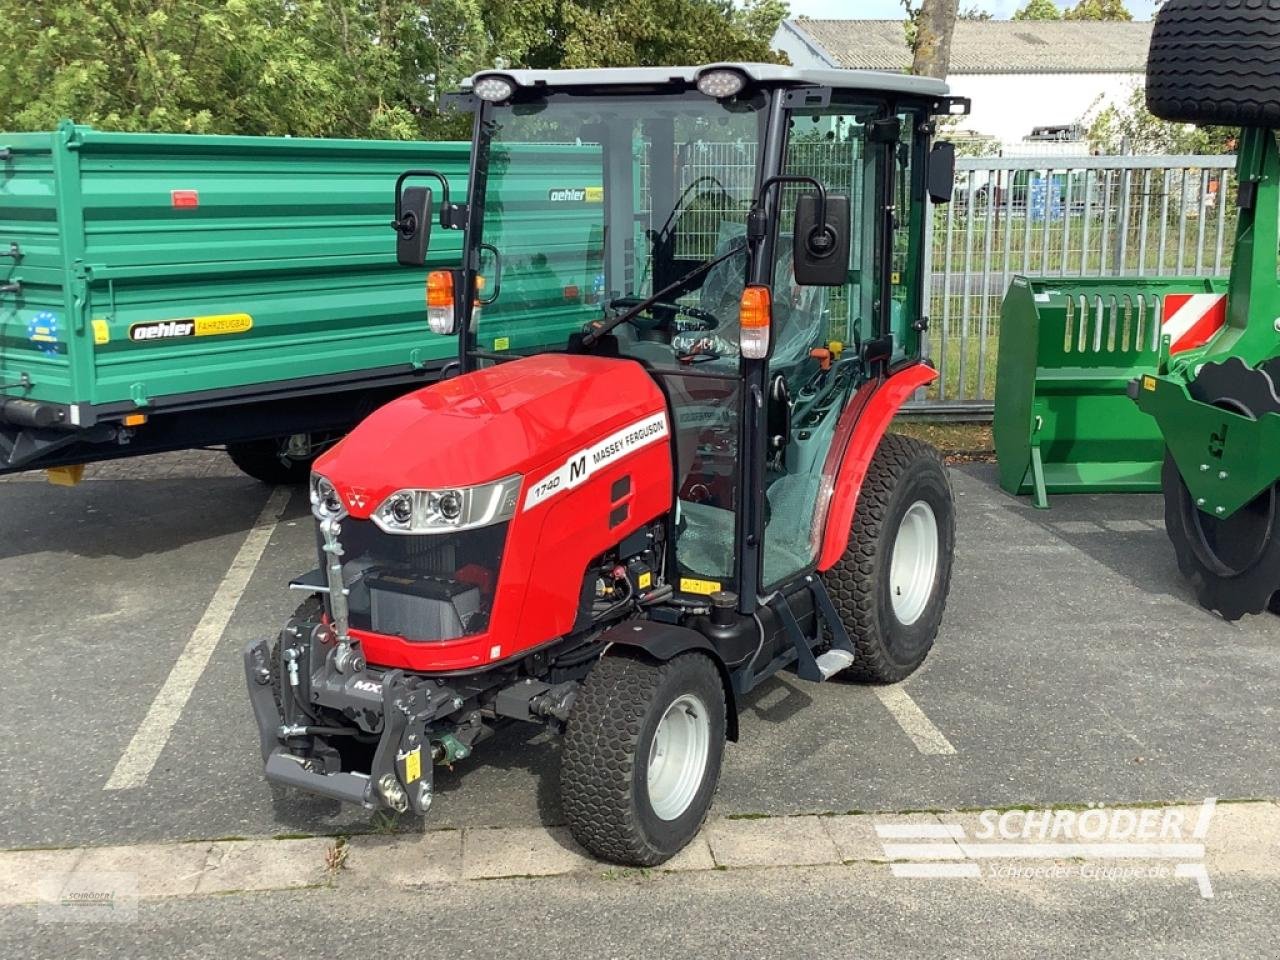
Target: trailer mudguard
{"x": 858, "y": 434}
{"x": 665, "y": 641}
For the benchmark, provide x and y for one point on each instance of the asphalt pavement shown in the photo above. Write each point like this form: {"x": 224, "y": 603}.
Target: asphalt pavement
{"x": 1073, "y": 666}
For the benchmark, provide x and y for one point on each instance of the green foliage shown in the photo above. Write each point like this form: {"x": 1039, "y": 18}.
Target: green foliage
{"x": 1130, "y": 127}
{"x": 545, "y": 34}
{"x": 974, "y": 13}
{"x": 1098, "y": 10}
{"x": 331, "y": 68}
{"x": 1039, "y": 10}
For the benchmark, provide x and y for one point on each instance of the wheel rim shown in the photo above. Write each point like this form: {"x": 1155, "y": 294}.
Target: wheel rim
{"x": 914, "y": 566}
{"x": 678, "y": 756}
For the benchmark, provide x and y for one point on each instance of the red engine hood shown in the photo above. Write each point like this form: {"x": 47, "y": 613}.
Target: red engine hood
{"x": 511, "y": 418}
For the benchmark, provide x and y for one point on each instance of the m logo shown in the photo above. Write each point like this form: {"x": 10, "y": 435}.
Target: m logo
{"x": 577, "y": 469}
{"x": 358, "y": 497}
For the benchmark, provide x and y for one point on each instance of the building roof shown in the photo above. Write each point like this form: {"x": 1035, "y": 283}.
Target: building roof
{"x": 770, "y": 74}
{"x": 987, "y": 46}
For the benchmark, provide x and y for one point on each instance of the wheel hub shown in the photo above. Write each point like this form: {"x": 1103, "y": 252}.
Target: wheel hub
{"x": 678, "y": 756}
{"x": 914, "y": 566}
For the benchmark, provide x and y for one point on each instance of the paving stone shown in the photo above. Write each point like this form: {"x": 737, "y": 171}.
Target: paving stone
{"x": 856, "y": 838}
{"x": 27, "y": 875}
{"x": 432, "y": 857}
{"x": 265, "y": 865}
{"x": 521, "y": 852}
{"x": 771, "y": 841}
{"x": 161, "y": 870}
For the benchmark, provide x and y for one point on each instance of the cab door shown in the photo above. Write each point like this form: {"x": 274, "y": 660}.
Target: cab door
{"x": 818, "y": 332}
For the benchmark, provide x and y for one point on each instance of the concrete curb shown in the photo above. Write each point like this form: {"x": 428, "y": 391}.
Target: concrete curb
{"x": 1244, "y": 838}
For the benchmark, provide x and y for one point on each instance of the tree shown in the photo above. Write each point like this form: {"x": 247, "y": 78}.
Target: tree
{"x": 352, "y": 68}
{"x": 930, "y": 25}
{"x": 974, "y": 13}
{"x": 1130, "y": 127}
{"x": 333, "y": 68}
{"x": 1098, "y": 10}
{"x": 1039, "y": 10}
{"x": 607, "y": 33}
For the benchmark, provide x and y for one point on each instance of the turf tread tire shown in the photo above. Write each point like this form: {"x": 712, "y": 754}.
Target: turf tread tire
{"x": 854, "y": 582}
{"x": 602, "y": 746}
{"x": 1216, "y": 62}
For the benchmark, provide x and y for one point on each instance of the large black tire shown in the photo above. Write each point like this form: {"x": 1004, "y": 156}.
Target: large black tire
{"x": 1232, "y": 564}
{"x": 262, "y": 460}
{"x": 903, "y": 472}
{"x": 1216, "y": 62}
{"x": 605, "y": 765}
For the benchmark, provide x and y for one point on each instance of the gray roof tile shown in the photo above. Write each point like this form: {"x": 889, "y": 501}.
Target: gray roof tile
{"x": 991, "y": 46}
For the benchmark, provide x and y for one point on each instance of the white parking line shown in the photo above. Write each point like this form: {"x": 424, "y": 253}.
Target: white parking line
{"x": 140, "y": 756}
{"x": 927, "y": 738}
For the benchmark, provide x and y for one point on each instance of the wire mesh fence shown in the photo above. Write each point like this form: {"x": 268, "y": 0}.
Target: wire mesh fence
{"x": 1041, "y": 216}
{"x": 1065, "y": 217}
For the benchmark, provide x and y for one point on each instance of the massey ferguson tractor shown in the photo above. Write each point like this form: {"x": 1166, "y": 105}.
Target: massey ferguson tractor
{"x": 618, "y": 524}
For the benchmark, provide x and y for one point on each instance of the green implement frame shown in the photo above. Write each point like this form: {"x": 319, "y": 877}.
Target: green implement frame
{"x": 1063, "y": 420}
{"x": 1229, "y": 453}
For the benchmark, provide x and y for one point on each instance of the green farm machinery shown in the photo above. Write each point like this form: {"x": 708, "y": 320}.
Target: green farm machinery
{"x": 1171, "y": 384}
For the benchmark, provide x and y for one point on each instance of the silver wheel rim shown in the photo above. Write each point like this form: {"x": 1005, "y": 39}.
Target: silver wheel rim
{"x": 678, "y": 756}
{"x": 915, "y": 563}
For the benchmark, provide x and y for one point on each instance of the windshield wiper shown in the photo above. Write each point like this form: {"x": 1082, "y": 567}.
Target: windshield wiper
{"x": 589, "y": 338}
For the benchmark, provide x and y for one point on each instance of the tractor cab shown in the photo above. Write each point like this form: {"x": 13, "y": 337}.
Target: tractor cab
{"x": 688, "y": 302}
{"x": 750, "y": 234}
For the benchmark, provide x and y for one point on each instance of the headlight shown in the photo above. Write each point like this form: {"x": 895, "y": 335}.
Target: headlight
{"x": 325, "y": 502}
{"x": 448, "y": 509}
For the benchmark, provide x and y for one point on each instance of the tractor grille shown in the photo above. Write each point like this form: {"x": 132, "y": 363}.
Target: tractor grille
{"x": 421, "y": 587}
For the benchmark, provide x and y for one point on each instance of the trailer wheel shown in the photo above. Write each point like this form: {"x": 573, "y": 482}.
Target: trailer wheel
{"x": 267, "y": 462}
{"x": 642, "y": 756}
{"x": 1214, "y": 63}
{"x": 890, "y": 587}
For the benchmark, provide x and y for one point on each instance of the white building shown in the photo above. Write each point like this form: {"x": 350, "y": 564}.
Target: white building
{"x": 1019, "y": 74}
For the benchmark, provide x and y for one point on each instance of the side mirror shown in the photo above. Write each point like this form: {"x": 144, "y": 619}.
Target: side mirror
{"x": 413, "y": 226}
{"x": 941, "y": 174}
{"x": 821, "y": 250}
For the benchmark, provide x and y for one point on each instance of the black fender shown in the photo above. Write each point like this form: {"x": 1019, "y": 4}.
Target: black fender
{"x": 665, "y": 641}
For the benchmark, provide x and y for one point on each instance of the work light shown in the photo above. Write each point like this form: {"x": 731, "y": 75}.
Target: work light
{"x": 721, "y": 83}
{"x": 493, "y": 88}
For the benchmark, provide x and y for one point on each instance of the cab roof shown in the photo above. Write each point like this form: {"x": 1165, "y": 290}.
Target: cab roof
{"x": 764, "y": 74}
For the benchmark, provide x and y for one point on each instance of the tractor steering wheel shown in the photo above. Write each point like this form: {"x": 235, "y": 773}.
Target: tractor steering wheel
{"x": 645, "y": 326}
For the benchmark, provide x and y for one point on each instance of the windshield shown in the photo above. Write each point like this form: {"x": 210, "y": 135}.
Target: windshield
{"x": 593, "y": 204}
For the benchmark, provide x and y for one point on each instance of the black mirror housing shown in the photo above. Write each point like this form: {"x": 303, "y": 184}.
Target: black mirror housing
{"x": 413, "y": 226}
{"x": 821, "y": 250}
{"x": 941, "y": 174}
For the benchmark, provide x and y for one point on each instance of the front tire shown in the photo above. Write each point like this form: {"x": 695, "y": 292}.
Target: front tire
{"x": 642, "y": 756}
{"x": 890, "y": 587}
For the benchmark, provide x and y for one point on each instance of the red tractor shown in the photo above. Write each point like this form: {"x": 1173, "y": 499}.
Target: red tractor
{"x": 618, "y": 523}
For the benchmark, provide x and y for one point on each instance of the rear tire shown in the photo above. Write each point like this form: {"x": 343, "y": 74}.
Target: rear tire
{"x": 264, "y": 461}
{"x": 890, "y": 587}
{"x": 642, "y": 756}
{"x": 1215, "y": 63}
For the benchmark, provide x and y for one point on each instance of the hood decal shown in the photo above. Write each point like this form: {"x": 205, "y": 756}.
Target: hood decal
{"x": 581, "y": 465}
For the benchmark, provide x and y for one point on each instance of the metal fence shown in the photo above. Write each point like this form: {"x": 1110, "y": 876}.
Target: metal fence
{"x": 1041, "y": 216}
{"x": 1060, "y": 217}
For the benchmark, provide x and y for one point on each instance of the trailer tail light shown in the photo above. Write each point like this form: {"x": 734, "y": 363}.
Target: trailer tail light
{"x": 440, "y": 302}
{"x": 754, "y": 314}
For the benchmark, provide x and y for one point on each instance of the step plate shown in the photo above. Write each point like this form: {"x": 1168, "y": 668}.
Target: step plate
{"x": 833, "y": 661}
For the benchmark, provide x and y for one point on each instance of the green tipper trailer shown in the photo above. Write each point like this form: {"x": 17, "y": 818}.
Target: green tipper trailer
{"x": 161, "y": 292}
